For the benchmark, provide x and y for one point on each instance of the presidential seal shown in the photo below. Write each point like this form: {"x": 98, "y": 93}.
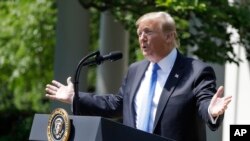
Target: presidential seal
{"x": 58, "y": 126}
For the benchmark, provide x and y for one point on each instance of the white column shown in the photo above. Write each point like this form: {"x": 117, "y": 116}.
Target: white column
{"x": 113, "y": 38}
{"x": 237, "y": 84}
{"x": 72, "y": 42}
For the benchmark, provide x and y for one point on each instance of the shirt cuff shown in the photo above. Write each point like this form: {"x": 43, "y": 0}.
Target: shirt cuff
{"x": 212, "y": 119}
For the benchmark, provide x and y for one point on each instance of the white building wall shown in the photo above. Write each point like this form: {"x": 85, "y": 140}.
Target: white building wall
{"x": 113, "y": 37}
{"x": 237, "y": 84}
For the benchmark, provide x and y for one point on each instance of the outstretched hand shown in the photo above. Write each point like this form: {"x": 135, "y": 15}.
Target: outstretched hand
{"x": 60, "y": 92}
{"x": 219, "y": 104}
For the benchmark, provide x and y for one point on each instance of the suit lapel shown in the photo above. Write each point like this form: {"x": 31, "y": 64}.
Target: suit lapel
{"x": 174, "y": 76}
{"x": 138, "y": 74}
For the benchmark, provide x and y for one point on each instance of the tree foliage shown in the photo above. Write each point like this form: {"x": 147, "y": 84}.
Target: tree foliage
{"x": 27, "y": 43}
{"x": 202, "y": 25}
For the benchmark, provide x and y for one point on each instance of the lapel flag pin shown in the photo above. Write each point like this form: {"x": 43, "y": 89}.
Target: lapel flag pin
{"x": 176, "y": 75}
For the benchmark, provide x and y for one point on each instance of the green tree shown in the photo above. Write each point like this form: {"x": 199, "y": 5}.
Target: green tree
{"x": 27, "y": 41}
{"x": 202, "y": 25}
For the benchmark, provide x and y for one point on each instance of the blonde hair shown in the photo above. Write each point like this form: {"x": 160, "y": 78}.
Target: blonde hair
{"x": 167, "y": 23}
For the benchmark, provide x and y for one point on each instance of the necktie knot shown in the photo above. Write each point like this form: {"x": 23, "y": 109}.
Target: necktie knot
{"x": 155, "y": 67}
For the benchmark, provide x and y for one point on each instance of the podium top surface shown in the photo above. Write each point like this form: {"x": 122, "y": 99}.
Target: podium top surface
{"x": 92, "y": 128}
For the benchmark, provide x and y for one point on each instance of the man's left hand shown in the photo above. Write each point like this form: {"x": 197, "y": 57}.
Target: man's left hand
{"x": 219, "y": 104}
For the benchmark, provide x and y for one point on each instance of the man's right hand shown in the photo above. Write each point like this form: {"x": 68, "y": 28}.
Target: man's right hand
{"x": 60, "y": 92}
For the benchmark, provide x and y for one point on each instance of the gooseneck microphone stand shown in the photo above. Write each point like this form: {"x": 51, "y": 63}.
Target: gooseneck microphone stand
{"x": 82, "y": 63}
{"x": 96, "y": 59}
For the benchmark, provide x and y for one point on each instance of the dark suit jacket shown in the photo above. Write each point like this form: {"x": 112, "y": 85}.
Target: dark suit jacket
{"x": 183, "y": 106}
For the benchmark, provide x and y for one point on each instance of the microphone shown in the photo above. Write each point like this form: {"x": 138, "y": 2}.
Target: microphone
{"x": 112, "y": 56}
{"x": 96, "y": 58}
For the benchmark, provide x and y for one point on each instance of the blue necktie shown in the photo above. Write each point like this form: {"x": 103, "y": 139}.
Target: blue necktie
{"x": 145, "y": 119}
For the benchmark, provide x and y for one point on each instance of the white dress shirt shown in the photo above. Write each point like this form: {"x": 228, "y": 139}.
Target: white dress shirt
{"x": 165, "y": 65}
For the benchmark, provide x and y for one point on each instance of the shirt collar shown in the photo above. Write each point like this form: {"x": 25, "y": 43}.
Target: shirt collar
{"x": 168, "y": 61}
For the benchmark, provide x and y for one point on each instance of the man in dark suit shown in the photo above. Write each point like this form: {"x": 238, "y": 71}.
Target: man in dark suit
{"x": 183, "y": 98}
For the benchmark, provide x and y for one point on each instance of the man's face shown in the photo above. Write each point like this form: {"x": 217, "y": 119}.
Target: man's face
{"x": 153, "y": 42}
